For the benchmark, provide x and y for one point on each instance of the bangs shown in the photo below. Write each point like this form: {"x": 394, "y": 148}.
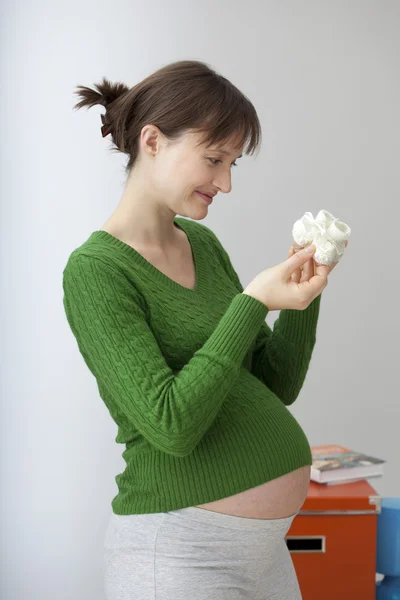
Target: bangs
{"x": 229, "y": 118}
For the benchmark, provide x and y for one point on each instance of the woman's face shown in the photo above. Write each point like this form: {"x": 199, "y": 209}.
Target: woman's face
{"x": 184, "y": 168}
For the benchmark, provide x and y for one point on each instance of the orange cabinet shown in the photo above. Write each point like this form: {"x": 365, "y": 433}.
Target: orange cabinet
{"x": 333, "y": 542}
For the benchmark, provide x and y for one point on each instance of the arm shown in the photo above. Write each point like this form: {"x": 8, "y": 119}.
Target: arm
{"x": 108, "y": 319}
{"x": 281, "y": 357}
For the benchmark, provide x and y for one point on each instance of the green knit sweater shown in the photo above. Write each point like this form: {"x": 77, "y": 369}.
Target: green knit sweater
{"x": 196, "y": 381}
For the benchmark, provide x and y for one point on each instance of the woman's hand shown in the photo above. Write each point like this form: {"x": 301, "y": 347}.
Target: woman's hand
{"x": 275, "y": 287}
{"x": 310, "y": 268}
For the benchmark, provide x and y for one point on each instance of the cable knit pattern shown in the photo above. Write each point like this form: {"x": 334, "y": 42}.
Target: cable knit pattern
{"x": 196, "y": 381}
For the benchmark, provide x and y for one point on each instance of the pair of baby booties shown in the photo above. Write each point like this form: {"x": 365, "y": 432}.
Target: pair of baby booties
{"x": 326, "y": 232}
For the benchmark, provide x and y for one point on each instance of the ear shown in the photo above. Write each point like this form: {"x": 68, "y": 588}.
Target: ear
{"x": 151, "y": 140}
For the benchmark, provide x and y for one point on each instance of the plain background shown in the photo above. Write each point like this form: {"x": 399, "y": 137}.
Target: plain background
{"x": 324, "y": 78}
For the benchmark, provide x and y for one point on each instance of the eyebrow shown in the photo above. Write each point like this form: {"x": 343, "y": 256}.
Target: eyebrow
{"x": 225, "y": 152}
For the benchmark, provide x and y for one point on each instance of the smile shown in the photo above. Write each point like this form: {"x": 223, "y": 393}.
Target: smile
{"x": 206, "y": 198}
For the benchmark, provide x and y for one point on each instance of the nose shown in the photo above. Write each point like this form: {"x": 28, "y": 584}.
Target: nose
{"x": 223, "y": 181}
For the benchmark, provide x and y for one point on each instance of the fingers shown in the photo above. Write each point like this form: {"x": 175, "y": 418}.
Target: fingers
{"x": 322, "y": 271}
{"x": 298, "y": 259}
{"x": 299, "y": 265}
{"x": 296, "y": 275}
{"x": 313, "y": 287}
{"x": 308, "y": 270}
{"x": 311, "y": 276}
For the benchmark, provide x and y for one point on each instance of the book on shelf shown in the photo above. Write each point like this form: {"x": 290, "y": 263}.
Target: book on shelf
{"x": 336, "y": 464}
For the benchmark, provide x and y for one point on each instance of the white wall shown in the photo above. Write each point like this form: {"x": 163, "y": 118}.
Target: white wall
{"x": 324, "y": 77}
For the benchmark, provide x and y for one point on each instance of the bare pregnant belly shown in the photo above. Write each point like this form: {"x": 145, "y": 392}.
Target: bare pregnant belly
{"x": 276, "y": 499}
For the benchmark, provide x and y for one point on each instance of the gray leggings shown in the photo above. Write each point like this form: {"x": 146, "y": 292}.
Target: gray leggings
{"x": 196, "y": 554}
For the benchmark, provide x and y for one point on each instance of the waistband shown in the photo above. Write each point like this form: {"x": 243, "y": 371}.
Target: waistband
{"x": 232, "y": 521}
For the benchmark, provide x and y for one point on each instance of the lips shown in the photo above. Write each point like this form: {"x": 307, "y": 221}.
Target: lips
{"x": 205, "y": 197}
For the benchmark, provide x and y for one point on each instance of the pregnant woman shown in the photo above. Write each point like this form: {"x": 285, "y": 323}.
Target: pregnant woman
{"x": 216, "y": 466}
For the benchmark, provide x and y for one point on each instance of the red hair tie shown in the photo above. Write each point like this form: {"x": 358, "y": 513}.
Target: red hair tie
{"x": 105, "y": 129}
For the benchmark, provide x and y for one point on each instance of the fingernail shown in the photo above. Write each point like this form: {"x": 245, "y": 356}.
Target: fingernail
{"x": 310, "y": 249}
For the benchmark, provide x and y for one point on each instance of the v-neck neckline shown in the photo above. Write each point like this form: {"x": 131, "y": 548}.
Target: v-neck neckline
{"x": 195, "y": 246}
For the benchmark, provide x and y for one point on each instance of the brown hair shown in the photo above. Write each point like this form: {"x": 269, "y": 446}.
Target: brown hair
{"x": 183, "y": 95}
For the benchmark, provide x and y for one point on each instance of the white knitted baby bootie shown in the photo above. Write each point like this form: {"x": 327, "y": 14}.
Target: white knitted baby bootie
{"x": 326, "y": 232}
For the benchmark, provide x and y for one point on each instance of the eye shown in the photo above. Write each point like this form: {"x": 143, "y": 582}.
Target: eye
{"x": 215, "y": 161}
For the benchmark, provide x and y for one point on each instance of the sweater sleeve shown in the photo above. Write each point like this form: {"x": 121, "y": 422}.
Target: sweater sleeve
{"x": 108, "y": 319}
{"x": 281, "y": 357}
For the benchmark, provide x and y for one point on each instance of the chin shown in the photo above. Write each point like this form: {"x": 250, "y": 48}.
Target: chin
{"x": 195, "y": 216}
{"x": 196, "y": 211}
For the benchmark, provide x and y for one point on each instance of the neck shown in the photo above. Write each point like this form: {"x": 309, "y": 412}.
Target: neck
{"x": 140, "y": 219}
